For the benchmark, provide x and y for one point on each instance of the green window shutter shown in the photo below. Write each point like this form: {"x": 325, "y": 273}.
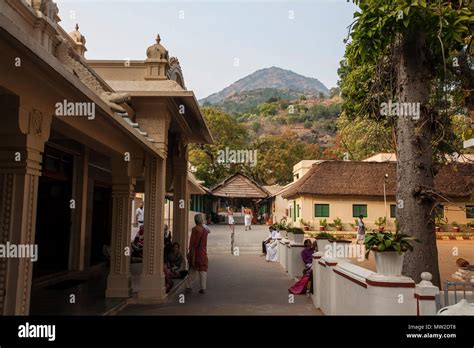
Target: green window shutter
{"x": 393, "y": 211}
{"x": 470, "y": 211}
{"x": 298, "y": 210}
{"x": 321, "y": 210}
{"x": 359, "y": 209}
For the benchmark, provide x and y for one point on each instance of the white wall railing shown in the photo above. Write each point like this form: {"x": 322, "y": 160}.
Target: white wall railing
{"x": 342, "y": 288}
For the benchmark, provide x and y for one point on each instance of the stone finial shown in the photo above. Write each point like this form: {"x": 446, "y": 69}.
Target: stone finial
{"x": 157, "y": 62}
{"x": 79, "y": 41}
{"x": 426, "y": 278}
{"x": 157, "y": 51}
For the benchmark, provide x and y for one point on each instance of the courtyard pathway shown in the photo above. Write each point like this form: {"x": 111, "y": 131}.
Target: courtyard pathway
{"x": 236, "y": 285}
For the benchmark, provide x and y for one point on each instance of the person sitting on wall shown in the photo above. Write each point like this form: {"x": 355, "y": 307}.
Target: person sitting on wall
{"x": 267, "y": 240}
{"x": 175, "y": 262}
{"x": 305, "y": 284}
{"x": 307, "y": 255}
{"x": 272, "y": 246}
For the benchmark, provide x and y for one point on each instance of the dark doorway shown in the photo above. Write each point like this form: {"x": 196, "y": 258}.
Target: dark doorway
{"x": 101, "y": 223}
{"x": 53, "y": 219}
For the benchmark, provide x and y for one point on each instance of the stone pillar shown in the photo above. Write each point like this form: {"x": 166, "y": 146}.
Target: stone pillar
{"x": 24, "y": 132}
{"x": 119, "y": 283}
{"x": 79, "y": 222}
{"x": 425, "y": 295}
{"x": 180, "y": 195}
{"x": 152, "y": 279}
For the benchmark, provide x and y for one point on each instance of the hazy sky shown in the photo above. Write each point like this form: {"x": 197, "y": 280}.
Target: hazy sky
{"x": 210, "y": 37}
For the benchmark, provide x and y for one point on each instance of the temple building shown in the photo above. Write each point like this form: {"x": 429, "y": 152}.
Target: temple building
{"x": 78, "y": 140}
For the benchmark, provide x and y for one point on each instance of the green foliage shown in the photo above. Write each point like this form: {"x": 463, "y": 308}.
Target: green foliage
{"x": 337, "y": 221}
{"x": 323, "y": 235}
{"x": 267, "y": 109}
{"x": 226, "y": 133}
{"x": 381, "y": 221}
{"x": 323, "y": 223}
{"x": 363, "y": 137}
{"x": 388, "y": 241}
{"x": 295, "y": 230}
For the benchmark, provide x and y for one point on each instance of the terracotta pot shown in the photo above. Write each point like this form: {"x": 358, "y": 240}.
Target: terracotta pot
{"x": 437, "y": 228}
{"x": 455, "y": 229}
{"x": 381, "y": 229}
{"x": 472, "y": 229}
{"x": 306, "y": 228}
{"x": 389, "y": 263}
{"x": 322, "y": 228}
{"x": 339, "y": 228}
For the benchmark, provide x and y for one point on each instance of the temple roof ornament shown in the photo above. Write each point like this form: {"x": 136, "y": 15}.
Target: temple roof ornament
{"x": 157, "y": 51}
{"x": 77, "y": 36}
{"x": 157, "y": 62}
{"x": 79, "y": 41}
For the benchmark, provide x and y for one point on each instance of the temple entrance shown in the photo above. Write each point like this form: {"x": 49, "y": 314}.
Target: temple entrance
{"x": 53, "y": 221}
{"x": 101, "y": 223}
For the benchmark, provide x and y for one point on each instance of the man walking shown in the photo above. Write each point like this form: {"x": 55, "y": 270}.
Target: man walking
{"x": 360, "y": 230}
{"x": 140, "y": 215}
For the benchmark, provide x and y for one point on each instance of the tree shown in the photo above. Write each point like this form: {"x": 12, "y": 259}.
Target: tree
{"x": 226, "y": 133}
{"x": 400, "y": 49}
{"x": 334, "y": 92}
{"x": 362, "y": 137}
{"x": 278, "y": 154}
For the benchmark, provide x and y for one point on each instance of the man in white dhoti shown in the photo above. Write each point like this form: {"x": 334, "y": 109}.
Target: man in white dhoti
{"x": 272, "y": 247}
{"x": 248, "y": 218}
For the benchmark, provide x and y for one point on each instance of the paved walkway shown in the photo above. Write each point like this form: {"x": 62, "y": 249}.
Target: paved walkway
{"x": 236, "y": 285}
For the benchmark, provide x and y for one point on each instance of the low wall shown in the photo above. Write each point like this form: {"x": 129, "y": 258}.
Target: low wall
{"x": 342, "y": 288}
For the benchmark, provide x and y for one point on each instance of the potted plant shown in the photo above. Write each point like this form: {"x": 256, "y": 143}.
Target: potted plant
{"x": 296, "y": 235}
{"x": 338, "y": 224}
{"x": 470, "y": 226}
{"x": 323, "y": 224}
{"x": 381, "y": 221}
{"x": 305, "y": 225}
{"x": 455, "y": 226}
{"x": 322, "y": 239}
{"x": 389, "y": 249}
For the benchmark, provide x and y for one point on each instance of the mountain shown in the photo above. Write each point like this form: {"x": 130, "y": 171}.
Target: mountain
{"x": 285, "y": 82}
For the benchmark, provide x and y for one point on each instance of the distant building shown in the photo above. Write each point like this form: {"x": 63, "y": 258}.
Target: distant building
{"x": 347, "y": 189}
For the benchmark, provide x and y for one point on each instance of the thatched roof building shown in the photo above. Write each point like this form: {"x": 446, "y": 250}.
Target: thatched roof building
{"x": 353, "y": 178}
{"x": 239, "y": 185}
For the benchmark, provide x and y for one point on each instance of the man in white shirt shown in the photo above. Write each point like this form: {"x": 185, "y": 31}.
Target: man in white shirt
{"x": 272, "y": 246}
{"x": 140, "y": 215}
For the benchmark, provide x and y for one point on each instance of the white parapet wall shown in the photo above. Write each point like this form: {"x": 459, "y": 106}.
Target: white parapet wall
{"x": 342, "y": 288}
{"x": 295, "y": 260}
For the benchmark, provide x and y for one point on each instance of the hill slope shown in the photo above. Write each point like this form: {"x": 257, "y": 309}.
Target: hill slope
{"x": 269, "y": 78}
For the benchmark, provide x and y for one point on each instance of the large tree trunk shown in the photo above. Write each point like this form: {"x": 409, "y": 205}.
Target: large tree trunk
{"x": 414, "y": 154}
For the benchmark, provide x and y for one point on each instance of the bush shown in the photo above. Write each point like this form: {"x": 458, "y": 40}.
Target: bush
{"x": 295, "y": 230}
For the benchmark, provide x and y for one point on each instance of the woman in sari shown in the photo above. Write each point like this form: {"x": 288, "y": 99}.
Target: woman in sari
{"x": 197, "y": 255}
{"x": 304, "y": 285}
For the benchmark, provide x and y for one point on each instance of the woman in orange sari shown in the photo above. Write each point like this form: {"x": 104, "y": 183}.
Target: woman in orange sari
{"x": 197, "y": 255}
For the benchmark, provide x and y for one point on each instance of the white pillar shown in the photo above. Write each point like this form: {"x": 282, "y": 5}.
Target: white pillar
{"x": 425, "y": 294}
